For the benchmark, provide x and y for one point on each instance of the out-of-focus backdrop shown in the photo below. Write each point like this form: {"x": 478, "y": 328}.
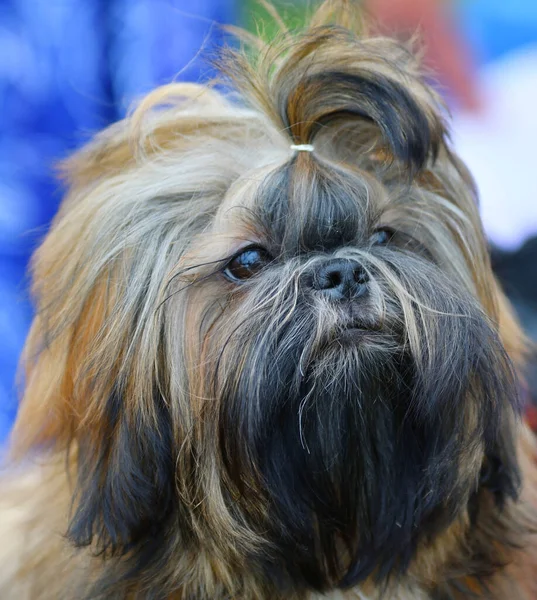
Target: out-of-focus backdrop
{"x": 70, "y": 67}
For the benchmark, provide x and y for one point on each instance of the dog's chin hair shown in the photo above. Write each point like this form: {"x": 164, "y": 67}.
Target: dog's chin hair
{"x": 256, "y": 437}
{"x": 313, "y": 417}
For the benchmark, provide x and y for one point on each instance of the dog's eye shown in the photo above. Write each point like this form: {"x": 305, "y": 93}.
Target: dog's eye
{"x": 382, "y": 236}
{"x": 247, "y": 264}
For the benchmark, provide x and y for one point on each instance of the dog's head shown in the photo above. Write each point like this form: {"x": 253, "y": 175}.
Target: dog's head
{"x": 272, "y": 332}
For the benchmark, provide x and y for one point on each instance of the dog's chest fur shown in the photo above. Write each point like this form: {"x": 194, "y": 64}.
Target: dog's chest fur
{"x": 36, "y": 562}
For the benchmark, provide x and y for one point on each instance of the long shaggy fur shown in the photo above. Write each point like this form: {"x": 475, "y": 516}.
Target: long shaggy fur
{"x": 189, "y": 435}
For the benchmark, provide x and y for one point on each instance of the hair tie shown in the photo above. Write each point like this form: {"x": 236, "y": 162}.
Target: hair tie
{"x": 302, "y": 147}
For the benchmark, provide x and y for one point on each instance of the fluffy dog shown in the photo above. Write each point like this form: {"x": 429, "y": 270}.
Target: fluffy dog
{"x": 270, "y": 359}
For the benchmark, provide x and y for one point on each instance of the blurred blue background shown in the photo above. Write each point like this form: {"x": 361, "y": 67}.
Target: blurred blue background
{"x": 70, "y": 67}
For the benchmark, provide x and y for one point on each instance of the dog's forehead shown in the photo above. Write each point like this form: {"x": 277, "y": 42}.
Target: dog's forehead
{"x": 241, "y": 196}
{"x": 301, "y": 208}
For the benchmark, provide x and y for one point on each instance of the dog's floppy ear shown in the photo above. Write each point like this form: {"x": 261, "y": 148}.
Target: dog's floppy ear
{"x": 501, "y": 471}
{"x": 125, "y": 492}
{"x": 95, "y": 368}
{"x": 93, "y": 390}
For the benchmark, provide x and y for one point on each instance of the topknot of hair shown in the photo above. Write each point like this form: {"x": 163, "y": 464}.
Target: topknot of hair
{"x": 331, "y": 77}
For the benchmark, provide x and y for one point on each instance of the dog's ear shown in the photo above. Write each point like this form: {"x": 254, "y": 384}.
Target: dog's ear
{"x": 500, "y": 474}
{"x": 126, "y": 486}
{"x": 498, "y": 524}
{"x": 96, "y": 376}
{"x": 107, "y": 408}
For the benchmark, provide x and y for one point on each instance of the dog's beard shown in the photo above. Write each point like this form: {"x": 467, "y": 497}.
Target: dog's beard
{"x": 359, "y": 425}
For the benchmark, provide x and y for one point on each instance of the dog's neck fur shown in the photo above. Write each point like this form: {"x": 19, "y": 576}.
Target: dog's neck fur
{"x": 37, "y": 563}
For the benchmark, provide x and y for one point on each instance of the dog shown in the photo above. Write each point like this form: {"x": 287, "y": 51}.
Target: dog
{"x": 270, "y": 359}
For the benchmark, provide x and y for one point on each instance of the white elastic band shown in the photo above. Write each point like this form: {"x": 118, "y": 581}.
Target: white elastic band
{"x": 302, "y": 147}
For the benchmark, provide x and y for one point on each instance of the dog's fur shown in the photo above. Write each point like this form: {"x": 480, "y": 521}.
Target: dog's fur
{"x": 184, "y": 434}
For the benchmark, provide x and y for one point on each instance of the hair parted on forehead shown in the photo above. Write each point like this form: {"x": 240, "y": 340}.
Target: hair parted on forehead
{"x": 151, "y": 370}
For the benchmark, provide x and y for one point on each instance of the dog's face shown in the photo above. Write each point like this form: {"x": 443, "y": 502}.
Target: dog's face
{"x": 283, "y": 358}
{"x": 356, "y": 381}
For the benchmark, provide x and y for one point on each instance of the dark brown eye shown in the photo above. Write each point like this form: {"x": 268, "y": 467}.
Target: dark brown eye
{"x": 247, "y": 264}
{"x": 382, "y": 236}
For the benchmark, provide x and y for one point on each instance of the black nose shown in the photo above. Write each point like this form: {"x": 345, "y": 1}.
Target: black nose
{"x": 340, "y": 278}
